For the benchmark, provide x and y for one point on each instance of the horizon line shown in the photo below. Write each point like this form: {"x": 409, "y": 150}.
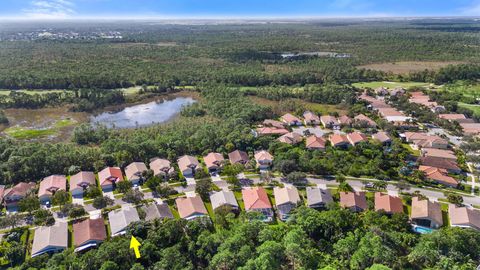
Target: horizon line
{"x": 229, "y": 18}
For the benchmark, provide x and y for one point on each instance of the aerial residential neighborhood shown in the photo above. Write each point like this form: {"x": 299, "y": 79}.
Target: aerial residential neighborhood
{"x": 151, "y": 135}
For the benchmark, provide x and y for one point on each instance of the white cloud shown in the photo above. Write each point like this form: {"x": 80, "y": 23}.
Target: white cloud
{"x": 472, "y": 10}
{"x": 50, "y": 9}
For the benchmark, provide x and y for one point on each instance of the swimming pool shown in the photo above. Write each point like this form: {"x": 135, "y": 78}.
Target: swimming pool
{"x": 422, "y": 230}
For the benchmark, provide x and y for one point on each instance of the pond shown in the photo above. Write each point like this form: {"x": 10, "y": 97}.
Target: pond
{"x": 155, "y": 112}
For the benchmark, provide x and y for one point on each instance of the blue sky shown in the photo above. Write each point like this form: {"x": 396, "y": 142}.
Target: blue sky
{"x": 235, "y": 8}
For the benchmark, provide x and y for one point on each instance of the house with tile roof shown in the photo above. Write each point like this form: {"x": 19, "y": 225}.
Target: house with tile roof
{"x": 80, "y": 182}
{"x": 157, "y": 211}
{"x": 270, "y": 131}
{"x": 222, "y": 198}
{"x": 161, "y": 167}
{"x": 49, "y": 185}
{"x": 50, "y": 239}
{"x": 438, "y": 175}
{"x": 238, "y": 157}
{"x": 256, "y": 199}
{"x": 191, "y": 207}
{"x": 318, "y": 198}
{"x": 426, "y": 213}
{"x": 315, "y": 143}
{"x": 286, "y": 199}
{"x": 109, "y": 177}
{"x": 464, "y": 217}
{"x": 88, "y": 233}
{"x": 421, "y": 140}
{"x": 264, "y": 159}
{"x": 119, "y": 219}
{"x": 450, "y": 165}
{"x": 355, "y": 201}
{"x": 390, "y": 204}
{"x": 356, "y": 137}
{"x": 364, "y": 121}
{"x": 291, "y": 138}
{"x": 339, "y": 140}
{"x": 344, "y": 121}
{"x": 439, "y": 153}
{"x": 214, "y": 161}
{"x": 11, "y": 196}
{"x": 188, "y": 165}
{"x": 330, "y": 122}
{"x": 134, "y": 172}
{"x": 382, "y": 137}
{"x": 291, "y": 120}
{"x": 310, "y": 118}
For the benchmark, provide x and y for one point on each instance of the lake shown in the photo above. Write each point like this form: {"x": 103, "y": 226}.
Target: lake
{"x": 155, "y": 112}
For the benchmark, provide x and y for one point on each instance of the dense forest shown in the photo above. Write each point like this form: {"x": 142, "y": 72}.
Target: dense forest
{"x": 245, "y": 55}
{"x": 333, "y": 239}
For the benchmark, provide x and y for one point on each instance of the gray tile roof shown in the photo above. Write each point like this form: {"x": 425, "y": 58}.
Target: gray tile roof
{"x": 223, "y": 197}
{"x": 50, "y": 239}
{"x": 160, "y": 211}
{"x": 316, "y": 195}
{"x": 119, "y": 219}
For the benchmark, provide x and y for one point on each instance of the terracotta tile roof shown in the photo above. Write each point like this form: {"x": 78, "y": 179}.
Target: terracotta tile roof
{"x": 314, "y": 142}
{"x": 345, "y": 120}
{"x": 289, "y": 118}
{"x": 189, "y": 206}
{"x": 271, "y": 131}
{"x": 159, "y": 165}
{"x": 452, "y": 116}
{"x": 366, "y": 119}
{"x": 255, "y": 198}
{"x": 20, "y": 189}
{"x": 311, "y": 117}
{"x": 356, "y": 137}
{"x": 464, "y": 217}
{"x": 438, "y": 175}
{"x": 2, "y": 191}
{"x": 186, "y": 162}
{"x": 51, "y": 184}
{"x": 213, "y": 160}
{"x": 353, "y": 199}
{"x": 389, "y": 112}
{"x": 273, "y": 123}
{"x": 424, "y": 140}
{"x": 328, "y": 120}
{"x": 382, "y": 136}
{"x": 109, "y": 175}
{"x": 287, "y": 194}
{"x": 470, "y": 128}
{"x": 135, "y": 169}
{"x": 389, "y": 204}
{"x": 439, "y": 163}
{"x": 338, "y": 139}
{"x": 441, "y": 153}
{"x": 291, "y": 138}
{"x": 238, "y": 156}
{"x": 263, "y": 155}
{"x": 89, "y": 230}
{"x": 424, "y": 209}
{"x": 81, "y": 179}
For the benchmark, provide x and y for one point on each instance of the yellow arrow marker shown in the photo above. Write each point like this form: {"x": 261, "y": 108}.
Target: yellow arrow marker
{"x": 135, "y": 244}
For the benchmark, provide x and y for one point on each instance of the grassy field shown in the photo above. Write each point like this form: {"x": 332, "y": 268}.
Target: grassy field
{"x": 25, "y": 133}
{"x": 407, "y": 85}
{"x": 474, "y": 108}
{"x": 322, "y": 109}
{"x": 469, "y": 90}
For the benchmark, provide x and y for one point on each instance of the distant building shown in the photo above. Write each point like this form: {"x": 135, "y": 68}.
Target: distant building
{"x": 311, "y": 118}
{"x": 330, "y": 122}
{"x": 382, "y": 137}
{"x": 291, "y": 138}
{"x": 291, "y": 120}
{"x": 238, "y": 156}
{"x": 356, "y": 137}
{"x": 161, "y": 167}
{"x": 214, "y": 161}
{"x": 188, "y": 165}
{"x": 315, "y": 143}
{"x": 264, "y": 159}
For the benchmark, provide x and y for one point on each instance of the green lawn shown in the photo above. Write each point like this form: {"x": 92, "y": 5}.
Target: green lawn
{"x": 374, "y": 85}
{"x": 23, "y": 133}
{"x": 411, "y": 150}
{"x": 469, "y": 90}
{"x": 474, "y": 108}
